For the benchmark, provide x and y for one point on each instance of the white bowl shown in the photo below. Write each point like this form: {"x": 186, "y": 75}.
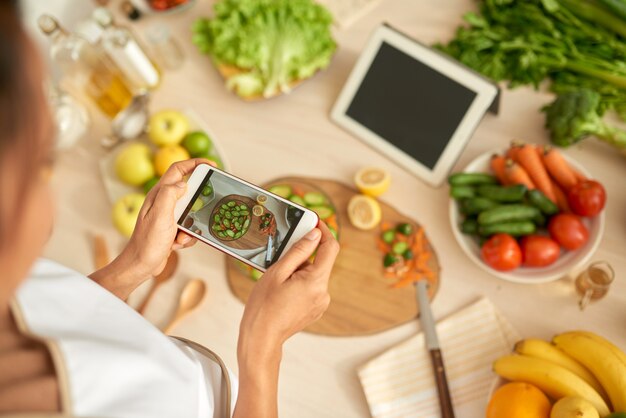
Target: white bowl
{"x": 568, "y": 261}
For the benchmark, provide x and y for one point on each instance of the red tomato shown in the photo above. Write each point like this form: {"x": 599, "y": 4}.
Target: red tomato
{"x": 501, "y": 252}
{"x": 539, "y": 251}
{"x": 587, "y": 198}
{"x": 568, "y": 230}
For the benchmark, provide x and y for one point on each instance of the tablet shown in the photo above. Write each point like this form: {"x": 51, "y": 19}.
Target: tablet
{"x": 413, "y": 104}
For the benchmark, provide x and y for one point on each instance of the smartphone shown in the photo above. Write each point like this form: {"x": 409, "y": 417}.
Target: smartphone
{"x": 241, "y": 219}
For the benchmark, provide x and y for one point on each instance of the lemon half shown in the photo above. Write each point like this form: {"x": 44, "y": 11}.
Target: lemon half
{"x": 372, "y": 181}
{"x": 364, "y": 212}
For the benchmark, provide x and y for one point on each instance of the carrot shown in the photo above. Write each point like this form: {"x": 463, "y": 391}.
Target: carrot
{"x": 561, "y": 198}
{"x": 515, "y": 174}
{"x": 497, "y": 164}
{"x": 513, "y": 151}
{"x": 385, "y": 226}
{"x": 558, "y": 168}
{"x": 579, "y": 176}
{"x": 530, "y": 161}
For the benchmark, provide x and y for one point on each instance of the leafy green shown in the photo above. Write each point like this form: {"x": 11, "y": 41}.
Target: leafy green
{"x": 526, "y": 42}
{"x": 270, "y": 43}
{"x": 573, "y": 116}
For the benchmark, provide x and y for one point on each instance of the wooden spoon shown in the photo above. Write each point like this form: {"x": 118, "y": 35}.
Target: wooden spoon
{"x": 100, "y": 252}
{"x": 165, "y": 275}
{"x": 190, "y": 298}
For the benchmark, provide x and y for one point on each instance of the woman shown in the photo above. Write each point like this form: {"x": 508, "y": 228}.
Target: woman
{"x": 69, "y": 345}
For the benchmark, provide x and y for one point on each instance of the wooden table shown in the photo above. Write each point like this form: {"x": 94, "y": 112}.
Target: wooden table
{"x": 294, "y": 136}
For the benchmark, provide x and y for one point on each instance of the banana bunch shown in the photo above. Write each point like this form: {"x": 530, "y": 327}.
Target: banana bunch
{"x": 577, "y": 364}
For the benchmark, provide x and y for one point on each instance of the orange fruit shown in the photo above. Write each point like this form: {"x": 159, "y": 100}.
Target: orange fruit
{"x": 518, "y": 400}
{"x": 167, "y": 156}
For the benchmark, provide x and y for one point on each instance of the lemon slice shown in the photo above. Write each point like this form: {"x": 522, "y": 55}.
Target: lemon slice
{"x": 257, "y": 210}
{"x": 372, "y": 181}
{"x": 364, "y": 212}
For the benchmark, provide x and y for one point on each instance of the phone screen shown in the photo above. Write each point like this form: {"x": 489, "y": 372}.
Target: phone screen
{"x": 251, "y": 223}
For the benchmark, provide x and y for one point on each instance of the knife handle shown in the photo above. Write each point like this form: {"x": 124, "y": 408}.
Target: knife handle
{"x": 445, "y": 400}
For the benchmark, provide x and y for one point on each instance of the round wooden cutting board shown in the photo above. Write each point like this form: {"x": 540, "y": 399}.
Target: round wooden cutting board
{"x": 362, "y": 299}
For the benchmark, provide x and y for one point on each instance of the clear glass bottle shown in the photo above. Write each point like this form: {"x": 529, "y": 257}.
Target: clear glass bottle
{"x": 126, "y": 52}
{"x": 86, "y": 68}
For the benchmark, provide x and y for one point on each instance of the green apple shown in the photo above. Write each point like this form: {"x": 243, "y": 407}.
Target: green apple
{"x": 126, "y": 211}
{"x": 147, "y": 186}
{"x": 133, "y": 165}
{"x": 167, "y": 127}
{"x": 197, "y": 143}
{"x": 213, "y": 157}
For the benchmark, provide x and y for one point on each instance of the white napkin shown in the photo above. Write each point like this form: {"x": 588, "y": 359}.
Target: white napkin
{"x": 400, "y": 382}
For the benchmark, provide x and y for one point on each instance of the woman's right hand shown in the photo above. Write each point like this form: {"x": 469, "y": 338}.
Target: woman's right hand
{"x": 292, "y": 294}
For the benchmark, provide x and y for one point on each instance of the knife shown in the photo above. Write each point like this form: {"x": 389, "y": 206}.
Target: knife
{"x": 432, "y": 344}
{"x": 268, "y": 254}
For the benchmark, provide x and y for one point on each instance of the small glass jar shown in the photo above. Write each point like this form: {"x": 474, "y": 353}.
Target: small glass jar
{"x": 167, "y": 51}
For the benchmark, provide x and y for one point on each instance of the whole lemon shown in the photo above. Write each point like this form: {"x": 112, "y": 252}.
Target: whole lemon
{"x": 167, "y": 156}
{"x": 518, "y": 400}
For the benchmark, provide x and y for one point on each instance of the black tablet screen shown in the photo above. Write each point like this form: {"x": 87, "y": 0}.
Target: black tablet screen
{"x": 409, "y": 104}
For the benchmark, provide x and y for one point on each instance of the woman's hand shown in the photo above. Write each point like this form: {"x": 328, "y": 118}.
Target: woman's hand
{"x": 292, "y": 294}
{"x": 155, "y": 234}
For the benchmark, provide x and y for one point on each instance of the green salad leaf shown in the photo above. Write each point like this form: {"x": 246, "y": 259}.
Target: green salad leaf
{"x": 269, "y": 43}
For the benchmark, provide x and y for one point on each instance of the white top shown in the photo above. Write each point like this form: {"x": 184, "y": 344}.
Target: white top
{"x": 116, "y": 363}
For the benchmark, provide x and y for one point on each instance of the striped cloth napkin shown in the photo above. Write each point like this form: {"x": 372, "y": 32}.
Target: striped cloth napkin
{"x": 400, "y": 382}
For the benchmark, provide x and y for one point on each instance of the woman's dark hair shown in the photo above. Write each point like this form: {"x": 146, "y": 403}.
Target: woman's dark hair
{"x": 20, "y": 108}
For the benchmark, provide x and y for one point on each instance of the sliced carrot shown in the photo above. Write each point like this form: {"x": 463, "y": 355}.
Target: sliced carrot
{"x": 497, "y": 164}
{"x": 297, "y": 191}
{"x": 383, "y": 246}
{"x": 390, "y": 275}
{"x": 530, "y": 161}
{"x": 515, "y": 174}
{"x": 558, "y": 168}
{"x": 401, "y": 237}
{"x": 561, "y": 198}
{"x": 332, "y": 222}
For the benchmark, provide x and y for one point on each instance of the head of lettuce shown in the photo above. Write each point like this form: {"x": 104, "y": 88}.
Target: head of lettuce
{"x": 265, "y": 47}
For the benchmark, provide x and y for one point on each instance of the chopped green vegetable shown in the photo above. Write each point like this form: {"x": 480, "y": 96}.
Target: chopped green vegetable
{"x": 324, "y": 212}
{"x": 282, "y": 191}
{"x": 399, "y": 247}
{"x": 207, "y": 190}
{"x": 404, "y": 229}
{"x": 297, "y": 200}
{"x": 388, "y": 236}
{"x": 227, "y": 223}
{"x": 389, "y": 260}
{"x": 575, "y": 115}
{"x": 273, "y": 43}
{"x": 408, "y": 254}
{"x": 256, "y": 275}
{"x": 314, "y": 199}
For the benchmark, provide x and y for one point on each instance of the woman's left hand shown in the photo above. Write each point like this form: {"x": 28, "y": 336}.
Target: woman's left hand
{"x": 155, "y": 234}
